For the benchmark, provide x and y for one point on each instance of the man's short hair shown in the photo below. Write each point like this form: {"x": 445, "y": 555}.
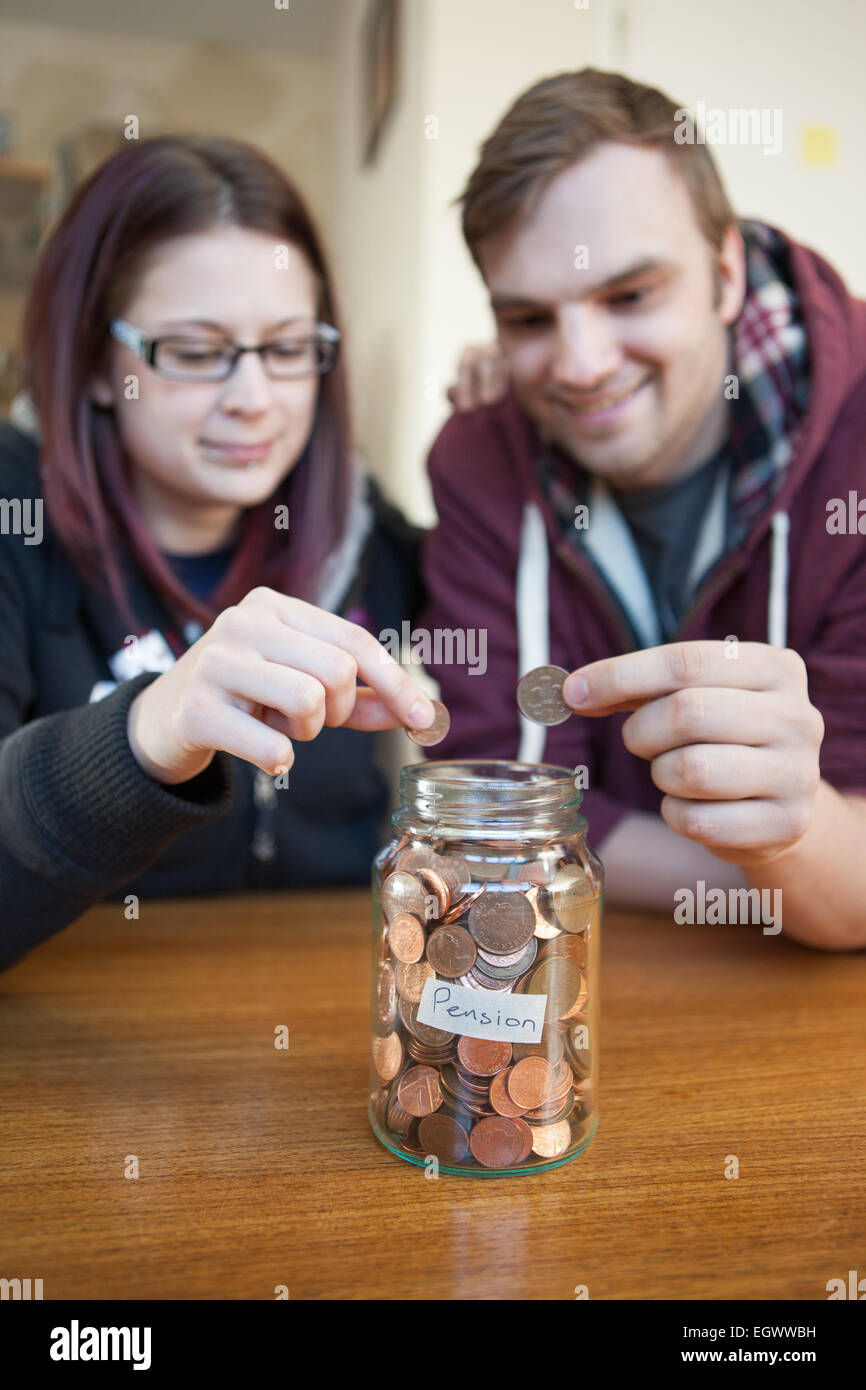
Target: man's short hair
{"x": 561, "y": 120}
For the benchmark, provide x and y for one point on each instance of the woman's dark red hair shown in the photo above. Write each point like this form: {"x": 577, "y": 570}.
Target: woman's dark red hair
{"x": 142, "y": 195}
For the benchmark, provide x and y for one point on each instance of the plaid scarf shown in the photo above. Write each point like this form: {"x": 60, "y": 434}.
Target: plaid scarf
{"x": 769, "y": 353}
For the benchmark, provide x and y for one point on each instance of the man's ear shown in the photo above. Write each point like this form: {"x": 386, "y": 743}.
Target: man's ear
{"x": 731, "y": 275}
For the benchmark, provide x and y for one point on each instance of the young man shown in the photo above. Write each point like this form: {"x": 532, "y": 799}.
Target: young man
{"x": 663, "y": 503}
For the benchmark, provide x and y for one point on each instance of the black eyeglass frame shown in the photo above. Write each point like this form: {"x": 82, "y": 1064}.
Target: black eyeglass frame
{"x": 146, "y": 348}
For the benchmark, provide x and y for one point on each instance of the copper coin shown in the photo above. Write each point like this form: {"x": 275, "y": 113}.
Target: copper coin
{"x": 550, "y": 1046}
{"x": 572, "y": 947}
{"x": 386, "y": 995}
{"x": 558, "y": 979}
{"x": 411, "y": 979}
{"x": 424, "y": 1032}
{"x": 418, "y": 1091}
{"x": 402, "y": 892}
{"x": 443, "y": 1136}
{"x": 499, "y": 1097}
{"x": 398, "y": 1119}
{"x": 500, "y": 1142}
{"x": 451, "y": 951}
{"x": 444, "y": 879}
{"x": 531, "y": 1082}
{"x": 431, "y": 1056}
{"x": 549, "y": 1114}
{"x": 551, "y": 1141}
{"x": 502, "y": 921}
{"x": 483, "y": 1056}
{"x": 545, "y": 927}
{"x": 387, "y": 1056}
{"x": 411, "y": 1143}
{"x": 406, "y": 938}
{"x": 435, "y": 732}
{"x": 411, "y": 860}
{"x": 572, "y": 897}
{"x": 539, "y": 695}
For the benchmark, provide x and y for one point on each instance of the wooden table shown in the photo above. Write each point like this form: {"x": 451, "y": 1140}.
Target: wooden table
{"x": 257, "y": 1167}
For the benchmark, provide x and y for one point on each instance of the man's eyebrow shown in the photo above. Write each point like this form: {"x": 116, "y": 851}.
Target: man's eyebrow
{"x": 646, "y": 266}
{"x": 221, "y": 328}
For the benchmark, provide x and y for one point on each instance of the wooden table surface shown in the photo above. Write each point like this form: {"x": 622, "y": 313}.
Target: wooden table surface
{"x": 257, "y": 1167}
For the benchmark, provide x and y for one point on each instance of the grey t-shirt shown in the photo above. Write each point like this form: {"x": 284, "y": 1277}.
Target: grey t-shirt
{"x": 665, "y": 522}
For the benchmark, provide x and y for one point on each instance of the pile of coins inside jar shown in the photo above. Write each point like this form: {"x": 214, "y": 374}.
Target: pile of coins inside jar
{"x": 488, "y": 922}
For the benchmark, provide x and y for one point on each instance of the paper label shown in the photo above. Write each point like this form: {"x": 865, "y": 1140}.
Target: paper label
{"x": 482, "y": 1013}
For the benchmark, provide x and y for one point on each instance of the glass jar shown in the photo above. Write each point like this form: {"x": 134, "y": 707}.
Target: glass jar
{"x": 486, "y": 936}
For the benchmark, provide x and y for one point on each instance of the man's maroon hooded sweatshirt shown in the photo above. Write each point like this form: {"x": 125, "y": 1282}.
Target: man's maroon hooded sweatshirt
{"x": 494, "y": 517}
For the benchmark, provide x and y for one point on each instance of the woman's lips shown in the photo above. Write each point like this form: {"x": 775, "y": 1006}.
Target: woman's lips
{"x": 236, "y": 453}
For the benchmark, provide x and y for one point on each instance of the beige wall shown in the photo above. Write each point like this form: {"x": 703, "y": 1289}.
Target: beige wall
{"x": 806, "y": 60}
{"x": 412, "y": 294}
{"x": 56, "y": 80}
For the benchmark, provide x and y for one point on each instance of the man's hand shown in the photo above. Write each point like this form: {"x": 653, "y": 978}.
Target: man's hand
{"x": 482, "y": 377}
{"x": 730, "y": 733}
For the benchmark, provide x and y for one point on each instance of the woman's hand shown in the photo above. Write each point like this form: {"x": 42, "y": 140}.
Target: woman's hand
{"x": 268, "y": 670}
{"x": 482, "y": 377}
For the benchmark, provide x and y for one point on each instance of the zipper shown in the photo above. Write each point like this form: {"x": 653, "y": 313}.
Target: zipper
{"x": 710, "y": 590}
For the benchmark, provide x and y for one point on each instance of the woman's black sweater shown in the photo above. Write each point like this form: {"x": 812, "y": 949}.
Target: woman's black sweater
{"x": 79, "y": 819}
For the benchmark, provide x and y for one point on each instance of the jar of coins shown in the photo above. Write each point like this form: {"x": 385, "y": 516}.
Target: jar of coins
{"x": 486, "y": 937}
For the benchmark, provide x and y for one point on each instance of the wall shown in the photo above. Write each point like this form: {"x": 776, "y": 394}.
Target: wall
{"x": 791, "y": 54}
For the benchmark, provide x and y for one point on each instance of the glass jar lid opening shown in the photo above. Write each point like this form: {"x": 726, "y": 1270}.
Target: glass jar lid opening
{"x": 496, "y": 788}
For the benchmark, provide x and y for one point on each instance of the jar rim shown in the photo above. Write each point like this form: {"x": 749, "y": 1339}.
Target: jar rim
{"x": 490, "y": 787}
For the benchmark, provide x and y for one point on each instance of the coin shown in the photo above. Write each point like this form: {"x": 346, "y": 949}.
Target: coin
{"x": 451, "y": 951}
{"x": 483, "y": 1056}
{"x": 403, "y": 892}
{"x": 418, "y": 1091}
{"x": 499, "y": 1097}
{"x": 572, "y": 947}
{"x": 406, "y": 938}
{"x": 499, "y": 1142}
{"x": 531, "y": 1082}
{"x": 551, "y": 1141}
{"x": 545, "y": 928}
{"x": 572, "y": 898}
{"x": 558, "y": 979}
{"x": 435, "y": 732}
{"x": 443, "y": 1136}
{"x": 411, "y": 979}
{"x": 424, "y": 1032}
{"x": 386, "y": 995}
{"x": 513, "y": 970}
{"x": 501, "y": 921}
{"x": 410, "y": 860}
{"x": 539, "y": 695}
{"x": 550, "y": 1046}
{"x": 387, "y": 1056}
{"x": 399, "y": 1120}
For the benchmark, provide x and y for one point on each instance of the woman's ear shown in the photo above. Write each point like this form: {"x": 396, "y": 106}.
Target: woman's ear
{"x": 100, "y": 392}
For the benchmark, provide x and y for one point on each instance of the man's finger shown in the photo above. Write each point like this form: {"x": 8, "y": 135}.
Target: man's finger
{"x": 620, "y": 683}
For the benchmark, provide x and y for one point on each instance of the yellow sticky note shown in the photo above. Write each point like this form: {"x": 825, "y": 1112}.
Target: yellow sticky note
{"x": 819, "y": 146}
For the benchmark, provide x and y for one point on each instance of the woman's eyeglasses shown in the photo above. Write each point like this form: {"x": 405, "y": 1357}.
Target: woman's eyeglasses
{"x": 201, "y": 359}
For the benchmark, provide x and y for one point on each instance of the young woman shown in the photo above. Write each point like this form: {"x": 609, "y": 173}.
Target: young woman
{"x": 192, "y": 566}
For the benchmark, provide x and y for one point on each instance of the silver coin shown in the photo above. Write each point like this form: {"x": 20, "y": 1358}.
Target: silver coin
{"x": 435, "y": 732}
{"x": 539, "y": 695}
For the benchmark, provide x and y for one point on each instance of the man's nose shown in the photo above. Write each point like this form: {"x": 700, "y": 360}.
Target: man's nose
{"x": 585, "y": 351}
{"x": 249, "y": 388}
